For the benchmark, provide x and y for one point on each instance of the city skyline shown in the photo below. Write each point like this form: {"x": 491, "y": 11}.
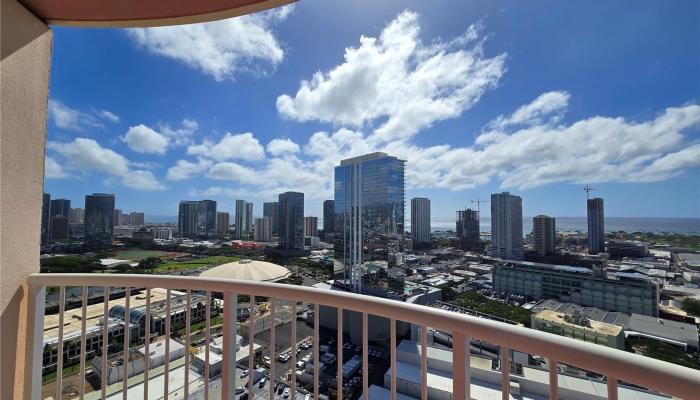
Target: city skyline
{"x": 184, "y": 140}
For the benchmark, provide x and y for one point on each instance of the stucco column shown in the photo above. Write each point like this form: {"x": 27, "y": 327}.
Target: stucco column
{"x": 24, "y": 81}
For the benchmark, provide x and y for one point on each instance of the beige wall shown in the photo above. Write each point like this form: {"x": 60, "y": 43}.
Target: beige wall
{"x": 24, "y": 80}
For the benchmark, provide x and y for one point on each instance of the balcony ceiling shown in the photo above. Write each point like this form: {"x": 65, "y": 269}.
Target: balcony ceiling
{"x": 141, "y": 13}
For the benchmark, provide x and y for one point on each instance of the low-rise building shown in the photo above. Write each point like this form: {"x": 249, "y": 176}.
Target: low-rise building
{"x": 587, "y": 287}
{"x": 579, "y": 327}
{"x": 663, "y": 330}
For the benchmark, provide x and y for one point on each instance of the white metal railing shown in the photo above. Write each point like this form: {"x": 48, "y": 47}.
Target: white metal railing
{"x": 616, "y": 365}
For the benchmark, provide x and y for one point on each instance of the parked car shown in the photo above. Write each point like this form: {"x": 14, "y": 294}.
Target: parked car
{"x": 240, "y": 390}
{"x": 285, "y": 394}
{"x": 244, "y": 373}
{"x": 262, "y": 382}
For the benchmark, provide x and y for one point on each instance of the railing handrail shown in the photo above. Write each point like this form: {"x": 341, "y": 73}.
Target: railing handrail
{"x": 633, "y": 368}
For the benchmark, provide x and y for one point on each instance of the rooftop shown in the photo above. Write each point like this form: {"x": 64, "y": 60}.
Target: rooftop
{"x": 593, "y": 326}
{"x": 248, "y": 270}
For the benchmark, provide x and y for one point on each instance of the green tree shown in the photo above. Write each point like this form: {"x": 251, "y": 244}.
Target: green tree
{"x": 691, "y": 305}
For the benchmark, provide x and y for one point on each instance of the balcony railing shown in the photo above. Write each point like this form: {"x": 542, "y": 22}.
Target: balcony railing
{"x": 616, "y": 366}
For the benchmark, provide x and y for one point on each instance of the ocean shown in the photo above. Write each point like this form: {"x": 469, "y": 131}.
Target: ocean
{"x": 686, "y": 226}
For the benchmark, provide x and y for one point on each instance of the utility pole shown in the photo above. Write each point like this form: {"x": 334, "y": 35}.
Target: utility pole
{"x": 588, "y": 191}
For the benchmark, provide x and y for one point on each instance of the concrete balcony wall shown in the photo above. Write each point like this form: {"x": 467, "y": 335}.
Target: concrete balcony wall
{"x": 24, "y": 83}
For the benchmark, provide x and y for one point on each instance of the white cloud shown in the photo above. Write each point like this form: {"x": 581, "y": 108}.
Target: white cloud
{"x": 85, "y": 156}
{"x": 143, "y": 139}
{"x": 398, "y": 80}
{"x": 142, "y": 180}
{"x": 533, "y": 113}
{"x": 53, "y": 170}
{"x": 242, "y": 146}
{"x": 670, "y": 165}
{"x": 184, "y": 169}
{"x": 281, "y": 146}
{"x": 110, "y": 116}
{"x": 181, "y": 136}
{"x": 221, "y": 49}
{"x": 214, "y": 191}
{"x": 595, "y": 149}
{"x": 233, "y": 172}
{"x": 71, "y": 119}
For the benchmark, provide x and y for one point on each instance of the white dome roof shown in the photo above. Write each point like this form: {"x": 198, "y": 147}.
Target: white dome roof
{"x": 249, "y": 270}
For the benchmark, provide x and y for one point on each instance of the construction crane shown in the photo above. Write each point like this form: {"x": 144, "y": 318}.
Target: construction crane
{"x": 588, "y": 189}
{"x": 478, "y": 202}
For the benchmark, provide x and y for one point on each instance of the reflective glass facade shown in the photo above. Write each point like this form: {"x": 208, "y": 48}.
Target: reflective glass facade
{"x": 197, "y": 218}
{"x": 99, "y": 218}
{"x": 291, "y": 220}
{"x": 369, "y": 220}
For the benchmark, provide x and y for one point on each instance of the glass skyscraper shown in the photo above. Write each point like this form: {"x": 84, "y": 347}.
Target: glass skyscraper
{"x": 328, "y": 219}
{"x": 270, "y": 211}
{"x": 197, "y": 218}
{"x": 291, "y": 220}
{"x": 596, "y": 226}
{"x": 369, "y": 220}
{"x": 99, "y": 218}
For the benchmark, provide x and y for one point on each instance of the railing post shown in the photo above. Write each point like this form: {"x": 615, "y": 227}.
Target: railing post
{"x": 83, "y": 326}
{"x": 316, "y": 357}
{"x": 272, "y": 353}
{"x": 505, "y": 373}
{"x": 365, "y": 357}
{"x": 127, "y": 332}
{"x": 59, "y": 352}
{"x": 228, "y": 363}
{"x": 34, "y": 345}
{"x": 459, "y": 366}
{"x": 553, "y": 380}
{"x": 339, "y": 331}
{"x": 612, "y": 388}
{"x": 392, "y": 332}
{"x": 293, "y": 378}
{"x": 251, "y": 346}
{"x": 423, "y": 362}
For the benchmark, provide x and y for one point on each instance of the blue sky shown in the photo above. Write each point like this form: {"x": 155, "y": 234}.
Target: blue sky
{"x": 537, "y": 99}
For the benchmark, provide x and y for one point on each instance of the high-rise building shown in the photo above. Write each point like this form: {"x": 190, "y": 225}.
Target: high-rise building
{"x": 311, "y": 226}
{"x": 137, "y": 219}
{"x": 77, "y": 216}
{"x": 240, "y": 220}
{"x": 328, "y": 219}
{"x": 468, "y": 230}
{"x": 596, "y": 226}
{"x": 60, "y": 228}
{"x": 263, "y": 229}
{"x": 544, "y": 235}
{"x": 45, "y": 218}
{"x": 369, "y": 219}
{"x": 249, "y": 217}
{"x": 197, "y": 218}
{"x": 506, "y": 226}
{"x": 118, "y": 217}
{"x": 187, "y": 219}
{"x": 222, "y": 222}
{"x": 206, "y": 218}
{"x": 291, "y": 220}
{"x": 270, "y": 211}
{"x": 420, "y": 222}
{"x": 99, "y": 218}
{"x": 60, "y": 207}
